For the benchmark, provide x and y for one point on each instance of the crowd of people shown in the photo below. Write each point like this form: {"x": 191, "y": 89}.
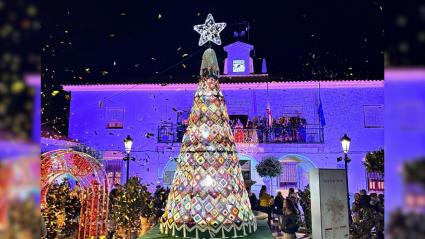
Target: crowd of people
{"x": 269, "y": 130}
{"x": 261, "y": 129}
{"x": 367, "y": 213}
{"x": 405, "y": 225}
{"x": 286, "y": 210}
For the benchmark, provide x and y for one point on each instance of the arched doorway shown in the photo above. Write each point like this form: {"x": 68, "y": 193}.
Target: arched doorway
{"x": 295, "y": 173}
{"x": 168, "y": 173}
{"x": 59, "y": 164}
{"x": 249, "y": 163}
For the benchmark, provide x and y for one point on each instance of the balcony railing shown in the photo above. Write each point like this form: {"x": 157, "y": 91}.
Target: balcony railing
{"x": 307, "y": 134}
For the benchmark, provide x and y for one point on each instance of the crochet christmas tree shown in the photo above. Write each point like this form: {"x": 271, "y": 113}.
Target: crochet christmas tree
{"x": 208, "y": 198}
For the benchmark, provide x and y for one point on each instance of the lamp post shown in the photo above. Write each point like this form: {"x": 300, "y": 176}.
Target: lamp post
{"x": 128, "y": 143}
{"x": 345, "y": 143}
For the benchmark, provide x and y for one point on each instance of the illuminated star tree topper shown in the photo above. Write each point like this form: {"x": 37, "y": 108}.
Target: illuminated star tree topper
{"x": 210, "y": 31}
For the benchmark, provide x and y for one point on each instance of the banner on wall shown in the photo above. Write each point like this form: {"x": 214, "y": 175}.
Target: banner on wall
{"x": 329, "y": 209}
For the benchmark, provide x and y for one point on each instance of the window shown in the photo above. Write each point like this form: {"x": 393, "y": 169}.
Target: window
{"x": 288, "y": 178}
{"x": 114, "y": 118}
{"x": 166, "y": 133}
{"x": 246, "y": 169}
{"x": 373, "y": 116}
{"x": 113, "y": 178}
{"x": 112, "y": 162}
{"x": 414, "y": 196}
{"x": 375, "y": 182}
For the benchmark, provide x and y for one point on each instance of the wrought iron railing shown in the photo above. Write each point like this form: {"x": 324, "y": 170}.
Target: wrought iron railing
{"x": 307, "y": 134}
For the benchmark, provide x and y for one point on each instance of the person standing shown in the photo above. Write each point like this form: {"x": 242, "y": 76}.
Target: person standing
{"x": 268, "y": 124}
{"x": 260, "y": 129}
{"x": 278, "y": 209}
{"x": 355, "y": 208}
{"x": 364, "y": 199}
{"x": 278, "y": 203}
{"x": 265, "y": 202}
{"x": 292, "y": 195}
{"x": 290, "y": 223}
{"x": 252, "y": 199}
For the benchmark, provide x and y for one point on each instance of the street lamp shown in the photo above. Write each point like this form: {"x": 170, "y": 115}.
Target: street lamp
{"x": 128, "y": 143}
{"x": 345, "y": 143}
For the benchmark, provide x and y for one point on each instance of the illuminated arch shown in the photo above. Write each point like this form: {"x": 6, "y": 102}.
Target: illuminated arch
{"x": 300, "y": 157}
{"x": 94, "y": 186}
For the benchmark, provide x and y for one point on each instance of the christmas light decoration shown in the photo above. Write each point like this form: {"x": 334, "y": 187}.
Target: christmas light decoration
{"x": 90, "y": 175}
{"x": 210, "y": 31}
{"x": 208, "y": 198}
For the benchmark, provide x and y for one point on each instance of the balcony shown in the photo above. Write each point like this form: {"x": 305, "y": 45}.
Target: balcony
{"x": 307, "y": 134}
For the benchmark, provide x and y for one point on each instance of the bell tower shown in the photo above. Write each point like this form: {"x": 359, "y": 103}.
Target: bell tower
{"x": 238, "y": 61}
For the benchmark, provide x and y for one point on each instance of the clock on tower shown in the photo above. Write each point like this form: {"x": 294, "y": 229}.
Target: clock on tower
{"x": 238, "y": 61}
{"x": 238, "y": 66}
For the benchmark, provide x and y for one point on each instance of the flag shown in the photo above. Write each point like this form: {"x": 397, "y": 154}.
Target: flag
{"x": 321, "y": 114}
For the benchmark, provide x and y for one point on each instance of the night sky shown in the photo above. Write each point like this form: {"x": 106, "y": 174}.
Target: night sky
{"x": 89, "y": 42}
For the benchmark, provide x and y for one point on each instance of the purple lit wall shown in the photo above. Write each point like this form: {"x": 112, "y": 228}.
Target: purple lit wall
{"x": 404, "y": 129}
{"x": 344, "y": 109}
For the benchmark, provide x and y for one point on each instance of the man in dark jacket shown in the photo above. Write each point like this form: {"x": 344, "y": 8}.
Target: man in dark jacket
{"x": 364, "y": 201}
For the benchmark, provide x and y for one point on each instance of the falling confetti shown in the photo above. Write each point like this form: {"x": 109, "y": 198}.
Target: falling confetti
{"x": 55, "y": 92}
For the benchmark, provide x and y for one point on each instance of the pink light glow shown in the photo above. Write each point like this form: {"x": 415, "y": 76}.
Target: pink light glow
{"x": 33, "y": 79}
{"x": 230, "y": 86}
{"x": 403, "y": 74}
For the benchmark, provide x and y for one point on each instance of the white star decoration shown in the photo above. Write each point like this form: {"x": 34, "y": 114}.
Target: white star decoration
{"x": 210, "y": 31}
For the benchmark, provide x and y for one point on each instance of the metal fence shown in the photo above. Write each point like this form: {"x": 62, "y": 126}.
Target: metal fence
{"x": 307, "y": 134}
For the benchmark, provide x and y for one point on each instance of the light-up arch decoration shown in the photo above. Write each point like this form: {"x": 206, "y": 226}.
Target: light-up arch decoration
{"x": 94, "y": 185}
{"x": 305, "y": 164}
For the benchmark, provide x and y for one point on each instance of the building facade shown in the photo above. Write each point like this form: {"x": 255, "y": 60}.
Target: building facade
{"x": 299, "y": 123}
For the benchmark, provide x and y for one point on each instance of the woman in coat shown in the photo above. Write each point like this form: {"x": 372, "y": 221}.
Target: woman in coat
{"x": 290, "y": 220}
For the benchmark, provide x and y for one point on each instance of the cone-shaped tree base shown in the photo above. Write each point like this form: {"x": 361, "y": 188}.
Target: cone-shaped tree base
{"x": 208, "y": 198}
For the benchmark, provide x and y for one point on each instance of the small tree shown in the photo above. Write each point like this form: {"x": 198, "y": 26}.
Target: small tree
{"x": 375, "y": 161}
{"x": 269, "y": 167}
{"x": 131, "y": 202}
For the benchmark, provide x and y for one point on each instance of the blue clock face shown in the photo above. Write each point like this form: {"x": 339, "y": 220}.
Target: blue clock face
{"x": 238, "y": 66}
